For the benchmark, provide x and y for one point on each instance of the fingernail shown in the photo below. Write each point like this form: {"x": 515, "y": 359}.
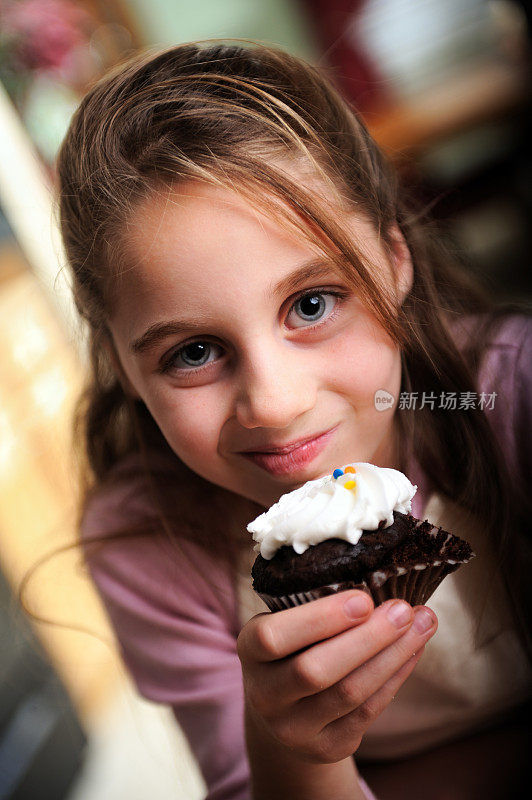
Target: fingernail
{"x": 423, "y": 620}
{"x": 357, "y": 606}
{"x": 399, "y": 613}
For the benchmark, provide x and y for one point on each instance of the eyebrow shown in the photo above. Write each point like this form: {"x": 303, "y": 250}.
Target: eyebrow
{"x": 313, "y": 270}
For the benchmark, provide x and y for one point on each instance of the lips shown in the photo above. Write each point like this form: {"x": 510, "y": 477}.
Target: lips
{"x": 291, "y": 457}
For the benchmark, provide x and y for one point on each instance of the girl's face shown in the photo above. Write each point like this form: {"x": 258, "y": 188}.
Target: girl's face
{"x": 257, "y": 361}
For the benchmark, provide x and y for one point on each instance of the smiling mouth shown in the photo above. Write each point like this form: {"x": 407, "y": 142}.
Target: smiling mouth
{"x": 291, "y": 457}
{"x": 286, "y": 448}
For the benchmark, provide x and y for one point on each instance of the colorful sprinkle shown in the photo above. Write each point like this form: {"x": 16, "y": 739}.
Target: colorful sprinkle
{"x": 350, "y": 484}
{"x": 349, "y": 469}
{"x": 337, "y": 473}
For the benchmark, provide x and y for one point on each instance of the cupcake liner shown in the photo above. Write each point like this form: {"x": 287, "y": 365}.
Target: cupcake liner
{"x": 414, "y": 584}
{"x": 300, "y": 598}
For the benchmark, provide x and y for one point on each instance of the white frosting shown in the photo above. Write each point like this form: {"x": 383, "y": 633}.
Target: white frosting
{"x": 325, "y": 509}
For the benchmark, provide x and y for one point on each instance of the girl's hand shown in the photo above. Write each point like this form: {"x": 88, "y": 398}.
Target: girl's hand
{"x": 317, "y": 675}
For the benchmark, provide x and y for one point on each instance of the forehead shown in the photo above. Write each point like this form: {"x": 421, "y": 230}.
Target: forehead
{"x": 193, "y": 244}
{"x": 195, "y": 231}
{"x": 207, "y": 224}
{"x": 194, "y": 208}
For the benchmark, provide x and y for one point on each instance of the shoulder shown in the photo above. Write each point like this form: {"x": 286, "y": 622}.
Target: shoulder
{"x": 504, "y": 381}
{"x": 506, "y": 362}
{"x": 134, "y": 560}
{"x": 510, "y": 330}
{"x": 505, "y": 347}
{"x": 510, "y": 340}
{"x": 174, "y": 612}
{"x": 121, "y": 502}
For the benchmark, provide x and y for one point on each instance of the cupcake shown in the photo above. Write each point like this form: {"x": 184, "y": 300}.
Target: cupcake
{"x": 351, "y": 530}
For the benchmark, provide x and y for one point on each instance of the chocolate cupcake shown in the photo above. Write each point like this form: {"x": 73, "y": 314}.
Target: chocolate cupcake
{"x": 351, "y": 530}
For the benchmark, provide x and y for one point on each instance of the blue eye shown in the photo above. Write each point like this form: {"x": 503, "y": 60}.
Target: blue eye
{"x": 192, "y": 356}
{"x": 311, "y": 308}
{"x": 196, "y": 354}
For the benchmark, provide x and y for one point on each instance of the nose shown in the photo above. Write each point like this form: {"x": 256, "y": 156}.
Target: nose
{"x": 276, "y": 387}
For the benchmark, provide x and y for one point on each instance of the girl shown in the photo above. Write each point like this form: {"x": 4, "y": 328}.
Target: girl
{"x": 252, "y": 281}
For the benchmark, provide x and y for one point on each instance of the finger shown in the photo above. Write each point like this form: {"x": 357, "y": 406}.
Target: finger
{"x": 326, "y": 663}
{"x": 354, "y": 690}
{"x": 269, "y": 637}
{"x": 315, "y": 669}
{"x": 342, "y": 736}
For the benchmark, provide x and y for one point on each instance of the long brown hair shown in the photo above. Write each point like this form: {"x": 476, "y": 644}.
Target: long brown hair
{"x": 235, "y": 115}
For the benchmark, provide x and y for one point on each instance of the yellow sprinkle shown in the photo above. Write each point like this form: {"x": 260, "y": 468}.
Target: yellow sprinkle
{"x": 349, "y": 469}
{"x": 349, "y": 484}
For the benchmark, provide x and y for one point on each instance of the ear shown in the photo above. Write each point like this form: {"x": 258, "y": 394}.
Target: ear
{"x": 402, "y": 264}
{"x": 126, "y": 384}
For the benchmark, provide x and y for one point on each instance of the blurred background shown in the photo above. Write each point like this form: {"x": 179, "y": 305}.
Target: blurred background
{"x": 443, "y": 86}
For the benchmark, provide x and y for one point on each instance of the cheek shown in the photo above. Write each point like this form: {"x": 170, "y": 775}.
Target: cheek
{"x": 190, "y": 423}
{"x": 365, "y": 360}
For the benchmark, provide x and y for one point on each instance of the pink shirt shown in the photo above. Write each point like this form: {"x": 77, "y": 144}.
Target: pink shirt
{"x": 177, "y": 617}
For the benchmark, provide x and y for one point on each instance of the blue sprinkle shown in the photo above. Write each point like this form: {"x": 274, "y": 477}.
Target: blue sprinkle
{"x": 337, "y": 473}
